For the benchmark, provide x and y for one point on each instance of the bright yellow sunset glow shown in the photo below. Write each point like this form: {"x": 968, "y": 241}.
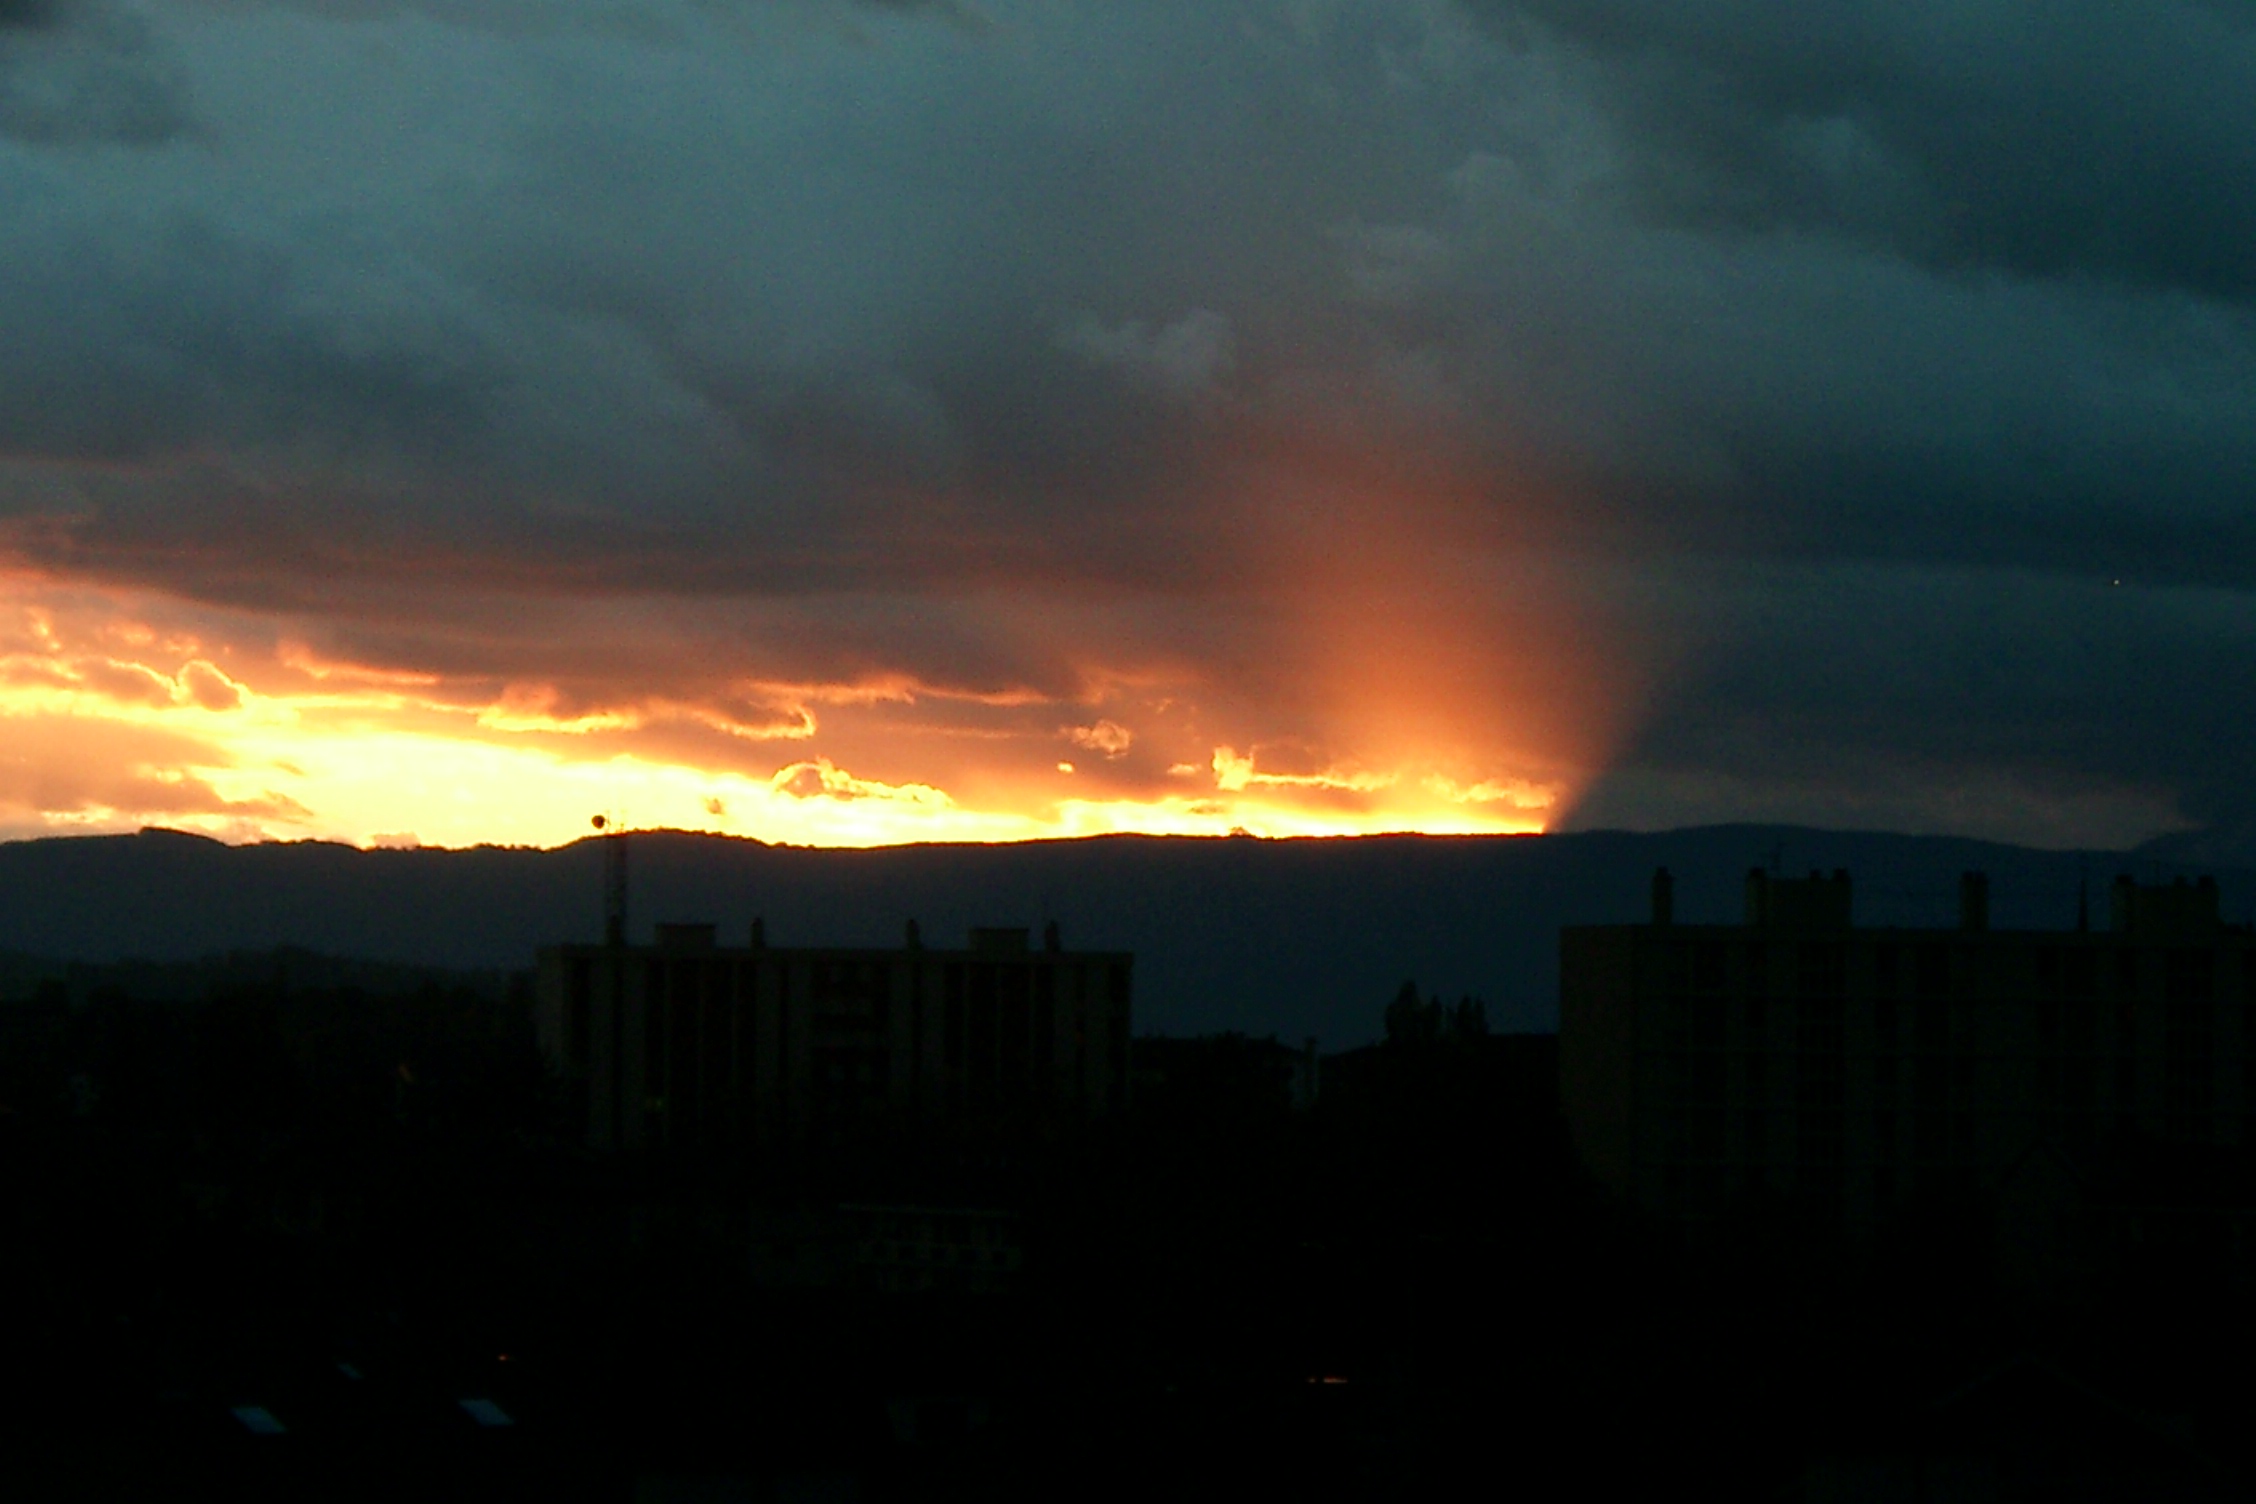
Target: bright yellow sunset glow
{"x": 284, "y": 781}
{"x": 115, "y": 722}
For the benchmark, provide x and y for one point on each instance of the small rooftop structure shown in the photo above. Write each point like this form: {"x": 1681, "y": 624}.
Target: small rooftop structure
{"x": 2176, "y": 911}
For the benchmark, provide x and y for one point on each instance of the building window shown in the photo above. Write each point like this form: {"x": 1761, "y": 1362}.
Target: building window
{"x": 2048, "y": 1058}
{"x": 980, "y": 1041}
{"x": 2126, "y": 1068}
{"x": 1669, "y": 1023}
{"x": 1675, "y": 1131}
{"x": 1818, "y": 1157}
{"x": 576, "y": 1011}
{"x": 2246, "y": 1056}
{"x": 1821, "y": 1082}
{"x": 783, "y": 1030}
{"x": 1968, "y": 972}
{"x": 2079, "y": 1092}
{"x": 2191, "y": 974}
{"x": 1045, "y": 1022}
{"x": 1707, "y": 1023}
{"x": 1934, "y": 970}
{"x": 1930, "y": 1136}
{"x": 952, "y": 1019}
{"x": 1823, "y": 970}
{"x": 1930, "y": 1086}
{"x": 1116, "y": 1076}
{"x": 1015, "y": 1028}
{"x": 2189, "y": 1068}
{"x": 1818, "y": 1025}
{"x": 1931, "y": 1027}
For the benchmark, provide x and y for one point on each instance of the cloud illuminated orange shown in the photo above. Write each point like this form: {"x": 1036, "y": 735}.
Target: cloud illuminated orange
{"x": 125, "y": 708}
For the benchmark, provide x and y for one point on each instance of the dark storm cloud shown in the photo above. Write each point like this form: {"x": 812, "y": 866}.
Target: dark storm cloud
{"x": 890, "y": 294}
{"x": 1978, "y": 271}
{"x": 2084, "y": 137}
{"x": 778, "y": 329}
{"x": 29, "y": 15}
{"x": 146, "y": 334}
{"x": 2003, "y": 702}
{"x": 85, "y": 71}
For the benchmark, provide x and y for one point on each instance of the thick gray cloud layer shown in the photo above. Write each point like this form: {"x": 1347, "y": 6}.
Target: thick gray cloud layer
{"x": 2082, "y": 138}
{"x": 74, "y": 71}
{"x": 1841, "y": 355}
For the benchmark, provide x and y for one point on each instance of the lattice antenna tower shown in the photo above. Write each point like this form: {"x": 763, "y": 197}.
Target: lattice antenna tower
{"x": 614, "y": 835}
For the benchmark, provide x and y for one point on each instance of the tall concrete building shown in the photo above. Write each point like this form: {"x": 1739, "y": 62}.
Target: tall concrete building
{"x": 687, "y": 1043}
{"x": 1856, "y": 1070}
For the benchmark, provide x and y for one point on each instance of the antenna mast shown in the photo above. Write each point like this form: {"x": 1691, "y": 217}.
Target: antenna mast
{"x": 614, "y": 882}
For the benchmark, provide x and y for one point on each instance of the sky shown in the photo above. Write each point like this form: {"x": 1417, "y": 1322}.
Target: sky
{"x": 844, "y": 422}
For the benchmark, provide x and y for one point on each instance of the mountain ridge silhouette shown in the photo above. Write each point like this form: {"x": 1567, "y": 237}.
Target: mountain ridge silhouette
{"x": 1294, "y": 937}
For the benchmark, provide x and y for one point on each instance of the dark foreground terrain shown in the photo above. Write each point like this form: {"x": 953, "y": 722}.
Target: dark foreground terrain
{"x": 293, "y": 1241}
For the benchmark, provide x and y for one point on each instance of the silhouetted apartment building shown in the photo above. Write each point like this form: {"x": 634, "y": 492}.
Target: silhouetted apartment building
{"x": 687, "y": 1042}
{"x": 1854, "y": 1069}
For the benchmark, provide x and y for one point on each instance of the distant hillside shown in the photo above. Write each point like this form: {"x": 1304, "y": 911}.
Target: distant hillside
{"x": 1291, "y": 937}
{"x": 286, "y": 968}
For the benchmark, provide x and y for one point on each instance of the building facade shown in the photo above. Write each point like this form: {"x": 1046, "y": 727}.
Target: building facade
{"x": 687, "y": 1043}
{"x": 1856, "y": 1070}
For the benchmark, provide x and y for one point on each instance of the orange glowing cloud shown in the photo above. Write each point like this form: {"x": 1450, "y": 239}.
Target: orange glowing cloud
{"x": 1386, "y": 656}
